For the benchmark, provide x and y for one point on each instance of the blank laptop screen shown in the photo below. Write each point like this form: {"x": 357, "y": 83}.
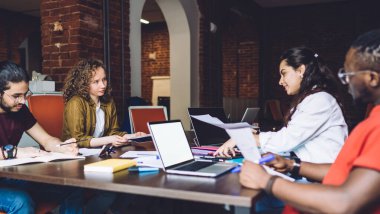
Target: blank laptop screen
{"x": 171, "y": 142}
{"x": 208, "y": 134}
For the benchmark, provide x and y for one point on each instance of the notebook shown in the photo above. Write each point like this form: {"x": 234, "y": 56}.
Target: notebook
{"x": 250, "y": 115}
{"x": 171, "y": 143}
{"x": 206, "y": 134}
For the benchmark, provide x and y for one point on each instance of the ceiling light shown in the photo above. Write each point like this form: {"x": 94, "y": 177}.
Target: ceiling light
{"x": 144, "y": 21}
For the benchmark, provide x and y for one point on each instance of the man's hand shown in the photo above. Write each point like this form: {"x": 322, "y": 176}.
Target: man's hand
{"x": 253, "y": 176}
{"x": 280, "y": 164}
{"x": 70, "y": 148}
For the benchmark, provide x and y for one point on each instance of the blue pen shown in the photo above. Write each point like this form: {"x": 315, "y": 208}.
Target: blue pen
{"x": 236, "y": 169}
{"x": 266, "y": 159}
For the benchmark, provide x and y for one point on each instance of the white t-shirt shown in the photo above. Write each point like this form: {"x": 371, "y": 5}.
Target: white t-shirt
{"x": 99, "y": 125}
{"x": 315, "y": 133}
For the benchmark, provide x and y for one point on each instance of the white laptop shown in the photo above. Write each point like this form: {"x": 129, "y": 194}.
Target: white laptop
{"x": 171, "y": 143}
{"x": 250, "y": 115}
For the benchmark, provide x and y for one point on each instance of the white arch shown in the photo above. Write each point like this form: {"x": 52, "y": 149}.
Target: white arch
{"x": 182, "y": 18}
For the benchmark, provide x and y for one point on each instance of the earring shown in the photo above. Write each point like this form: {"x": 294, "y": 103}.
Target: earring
{"x": 301, "y": 76}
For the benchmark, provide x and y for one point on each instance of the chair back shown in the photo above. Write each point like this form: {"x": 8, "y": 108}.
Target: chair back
{"x": 275, "y": 110}
{"x": 140, "y": 115}
{"x": 48, "y": 111}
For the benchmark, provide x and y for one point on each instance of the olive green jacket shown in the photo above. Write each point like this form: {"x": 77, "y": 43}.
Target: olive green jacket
{"x": 80, "y": 118}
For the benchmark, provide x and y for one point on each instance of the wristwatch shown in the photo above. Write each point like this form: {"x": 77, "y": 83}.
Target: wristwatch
{"x": 9, "y": 151}
{"x": 296, "y": 168}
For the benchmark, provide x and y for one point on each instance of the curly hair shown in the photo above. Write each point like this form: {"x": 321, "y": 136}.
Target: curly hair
{"x": 77, "y": 82}
{"x": 317, "y": 77}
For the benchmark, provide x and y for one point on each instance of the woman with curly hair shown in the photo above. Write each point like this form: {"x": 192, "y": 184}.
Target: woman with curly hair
{"x": 90, "y": 112}
{"x": 90, "y": 117}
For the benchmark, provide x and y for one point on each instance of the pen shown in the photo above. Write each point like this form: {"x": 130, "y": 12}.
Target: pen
{"x": 157, "y": 156}
{"x": 266, "y": 159}
{"x": 67, "y": 143}
{"x": 236, "y": 169}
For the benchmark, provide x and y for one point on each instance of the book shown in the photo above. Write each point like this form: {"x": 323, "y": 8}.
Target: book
{"x": 109, "y": 165}
{"x": 51, "y": 156}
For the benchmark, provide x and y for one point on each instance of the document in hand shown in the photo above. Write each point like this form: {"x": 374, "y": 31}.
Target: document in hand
{"x": 51, "y": 156}
{"x": 241, "y": 134}
{"x": 140, "y": 139}
{"x": 109, "y": 165}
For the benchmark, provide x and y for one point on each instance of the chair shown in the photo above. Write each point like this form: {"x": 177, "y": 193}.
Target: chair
{"x": 140, "y": 115}
{"x": 274, "y": 107}
{"x": 48, "y": 110}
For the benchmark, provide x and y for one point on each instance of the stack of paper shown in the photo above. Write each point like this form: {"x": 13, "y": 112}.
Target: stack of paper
{"x": 241, "y": 134}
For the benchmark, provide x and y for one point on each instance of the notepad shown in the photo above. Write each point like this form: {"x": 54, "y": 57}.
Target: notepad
{"x": 109, "y": 165}
{"x": 51, "y": 156}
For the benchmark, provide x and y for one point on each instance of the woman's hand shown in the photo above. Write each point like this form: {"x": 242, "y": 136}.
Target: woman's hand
{"x": 116, "y": 140}
{"x": 226, "y": 150}
{"x": 137, "y": 134}
{"x": 253, "y": 176}
{"x": 70, "y": 149}
{"x": 29, "y": 152}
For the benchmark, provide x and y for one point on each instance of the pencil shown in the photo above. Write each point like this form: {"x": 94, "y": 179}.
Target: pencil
{"x": 67, "y": 143}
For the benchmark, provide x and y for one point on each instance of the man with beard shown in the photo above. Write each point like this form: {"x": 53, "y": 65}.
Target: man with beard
{"x": 351, "y": 184}
{"x": 15, "y": 119}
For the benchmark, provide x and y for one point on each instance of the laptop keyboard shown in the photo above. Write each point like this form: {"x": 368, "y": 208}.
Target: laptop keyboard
{"x": 195, "y": 166}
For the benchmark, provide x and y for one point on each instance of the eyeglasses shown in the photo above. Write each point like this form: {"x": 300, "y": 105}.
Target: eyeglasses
{"x": 344, "y": 75}
{"x": 18, "y": 98}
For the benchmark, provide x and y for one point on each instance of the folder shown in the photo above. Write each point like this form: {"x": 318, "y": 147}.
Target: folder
{"x": 109, "y": 165}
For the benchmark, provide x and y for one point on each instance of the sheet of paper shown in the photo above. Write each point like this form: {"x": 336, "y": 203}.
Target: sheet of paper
{"x": 216, "y": 122}
{"x": 245, "y": 142}
{"x": 89, "y": 152}
{"x": 150, "y": 161}
{"x": 137, "y": 154}
{"x": 241, "y": 133}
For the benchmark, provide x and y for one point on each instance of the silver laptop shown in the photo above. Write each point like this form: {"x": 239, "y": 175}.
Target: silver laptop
{"x": 171, "y": 143}
{"x": 250, "y": 115}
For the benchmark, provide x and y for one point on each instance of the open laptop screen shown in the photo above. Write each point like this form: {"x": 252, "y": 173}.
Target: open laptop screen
{"x": 208, "y": 134}
{"x": 171, "y": 142}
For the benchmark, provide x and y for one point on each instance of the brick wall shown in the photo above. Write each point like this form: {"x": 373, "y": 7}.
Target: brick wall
{"x": 329, "y": 29}
{"x": 14, "y": 29}
{"x": 154, "y": 38}
{"x": 82, "y": 37}
{"x": 240, "y": 59}
{"x": 263, "y": 34}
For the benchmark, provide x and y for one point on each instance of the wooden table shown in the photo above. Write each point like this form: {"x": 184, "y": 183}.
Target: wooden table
{"x": 222, "y": 190}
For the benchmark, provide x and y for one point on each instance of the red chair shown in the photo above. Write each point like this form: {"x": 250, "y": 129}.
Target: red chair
{"x": 140, "y": 115}
{"x": 48, "y": 110}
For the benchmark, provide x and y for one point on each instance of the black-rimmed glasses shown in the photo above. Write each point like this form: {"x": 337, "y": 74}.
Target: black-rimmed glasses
{"x": 344, "y": 76}
{"x": 18, "y": 98}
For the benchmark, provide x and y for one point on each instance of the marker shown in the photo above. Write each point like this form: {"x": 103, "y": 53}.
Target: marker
{"x": 236, "y": 169}
{"x": 143, "y": 169}
{"x": 266, "y": 159}
{"x": 67, "y": 143}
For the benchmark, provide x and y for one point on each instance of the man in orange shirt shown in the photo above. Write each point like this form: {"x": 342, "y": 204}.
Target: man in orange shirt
{"x": 351, "y": 184}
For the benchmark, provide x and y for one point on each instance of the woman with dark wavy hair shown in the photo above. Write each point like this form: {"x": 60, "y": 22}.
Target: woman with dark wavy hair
{"x": 315, "y": 128}
{"x": 90, "y": 112}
